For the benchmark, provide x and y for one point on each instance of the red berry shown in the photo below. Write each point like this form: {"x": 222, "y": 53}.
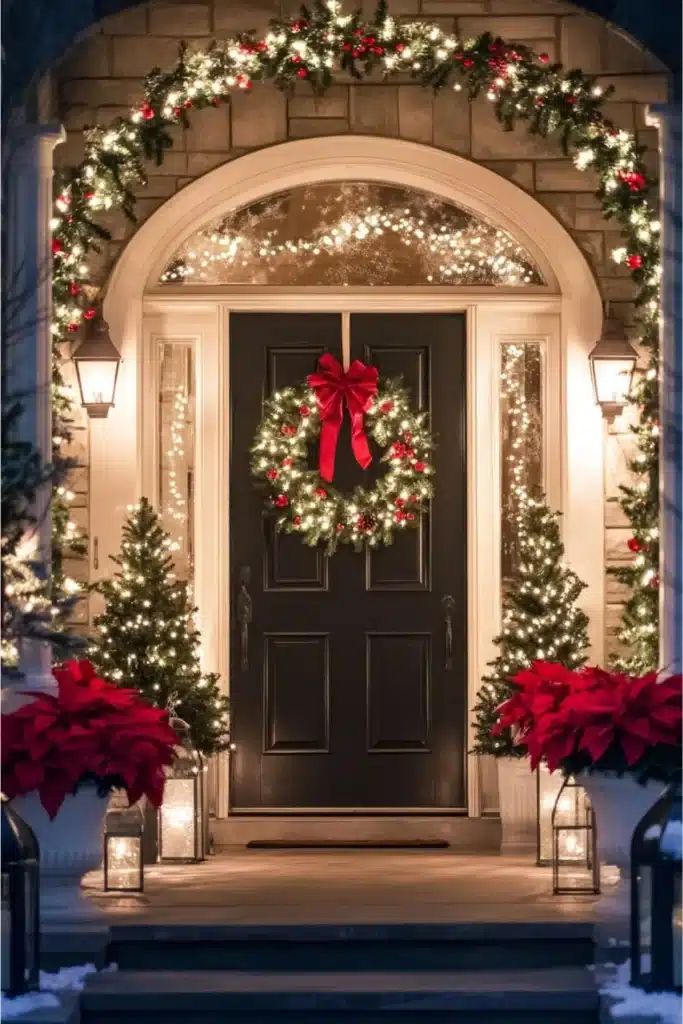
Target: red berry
{"x": 399, "y": 516}
{"x": 282, "y": 501}
{"x": 468, "y": 62}
{"x": 410, "y": 516}
{"x": 544, "y": 58}
{"x": 386, "y": 406}
{"x": 340, "y": 527}
{"x": 72, "y": 327}
{"x": 634, "y": 261}
{"x": 400, "y": 47}
{"x": 320, "y": 492}
{"x": 346, "y": 47}
{"x": 74, "y": 288}
{"x": 57, "y": 246}
{"x": 304, "y": 410}
{"x": 90, "y": 314}
{"x": 297, "y": 520}
{"x": 288, "y": 430}
{"x": 287, "y": 461}
{"x": 399, "y": 503}
{"x": 272, "y": 474}
{"x": 654, "y": 582}
{"x": 302, "y": 73}
{"x": 420, "y": 467}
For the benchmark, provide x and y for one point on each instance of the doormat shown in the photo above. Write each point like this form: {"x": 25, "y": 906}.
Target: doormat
{"x": 348, "y": 844}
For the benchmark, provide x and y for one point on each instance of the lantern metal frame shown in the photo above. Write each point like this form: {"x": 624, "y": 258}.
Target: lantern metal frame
{"x": 188, "y": 765}
{"x": 612, "y": 346}
{"x": 124, "y": 823}
{"x": 97, "y": 347}
{"x": 649, "y": 849}
{"x": 20, "y": 879}
{"x": 584, "y": 825}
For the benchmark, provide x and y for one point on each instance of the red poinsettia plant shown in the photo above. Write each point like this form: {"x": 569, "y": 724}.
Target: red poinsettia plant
{"x": 90, "y": 731}
{"x": 590, "y": 719}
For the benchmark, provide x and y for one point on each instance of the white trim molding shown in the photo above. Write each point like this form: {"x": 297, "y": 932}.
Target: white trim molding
{"x": 565, "y": 316}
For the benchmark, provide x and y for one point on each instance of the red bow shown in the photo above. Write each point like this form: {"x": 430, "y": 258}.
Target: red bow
{"x": 333, "y": 386}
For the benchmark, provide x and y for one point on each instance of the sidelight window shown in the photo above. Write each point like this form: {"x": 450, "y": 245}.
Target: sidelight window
{"x": 521, "y": 420}
{"x": 176, "y": 450}
{"x": 351, "y": 233}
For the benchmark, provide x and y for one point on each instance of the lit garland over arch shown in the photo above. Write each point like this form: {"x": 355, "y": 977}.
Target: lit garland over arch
{"x": 521, "y": 85}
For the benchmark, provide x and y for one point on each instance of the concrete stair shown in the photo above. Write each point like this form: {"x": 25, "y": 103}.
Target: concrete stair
{"x": 488, "y": 973}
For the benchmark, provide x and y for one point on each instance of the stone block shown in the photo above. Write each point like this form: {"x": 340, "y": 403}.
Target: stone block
{"x": 619, "y": 450}
{"x": 334, "y": 103}
{"x": 563, "y": 176}
{"x": 157, "y": 186}
{"x": 622, "y": 114}
{"x": 561, "y": 205}
{"x": 519, "y": 171}
{"x": 102, "y": 92}
{"x": 312, "y": 127}
{"x": 591, "y": 243}
{"x": 137, "y": 55}
{"x": 616, "y": 592}
{"x": 529, "y": 7}
{"x": 590, "y": 220}
{"x": 490, "y": 141}
{"x": 645, "y": 88}
{"x": 581, "y": 42}
{"x": 616, "y": 550}
{"x": 613, "y": 650}
{"x": 524, "y": 27}
{"x": 410, "y": 8}
{"x": 374, "y": 109}
{"x": 127, "y": 23}
{"x": 452, "y": 124}
{"x": 174, "y": 163}
{"x": 614, "y": 514}
{"x": 452, "y": 7}
{"x": 623, "y": 54}
{"x": 78, "y": 118}
{"x": 144, "y": 208}
{"x": 209, "y": 130}
{"x": 200, "y": 163}
{"x": 89, "y": 59}
{"x": 259, "y": 118}
{"x": 179, "y": 20}
{"x": 619, "y": 288}
{"x": 249, "y": 15}
{"x": 415, "y": 113}
{"x": 78, "y": 480}
{"x": 613, "y": 616}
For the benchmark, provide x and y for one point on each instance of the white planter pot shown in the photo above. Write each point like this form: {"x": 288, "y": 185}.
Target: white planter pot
{"x": 70, "y": 845}
{"x": 619, "y": 803}
{"x": 517, "y": 803}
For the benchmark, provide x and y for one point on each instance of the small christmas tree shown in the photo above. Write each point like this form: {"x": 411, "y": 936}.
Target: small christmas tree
{"x": 147, "y": 637}
{"x": 540, "y": 620}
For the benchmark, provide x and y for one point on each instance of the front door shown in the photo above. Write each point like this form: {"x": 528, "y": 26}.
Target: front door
{"x": 346, "y": 699}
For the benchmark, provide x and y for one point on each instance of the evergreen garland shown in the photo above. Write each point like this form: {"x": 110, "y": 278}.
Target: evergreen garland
{"x": 147, "y": 638}
{"x": 521, "y": 85}
{"x": 541, "y": 621}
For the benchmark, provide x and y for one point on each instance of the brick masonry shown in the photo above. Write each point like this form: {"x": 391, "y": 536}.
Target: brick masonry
{"x": 103, "y": 75}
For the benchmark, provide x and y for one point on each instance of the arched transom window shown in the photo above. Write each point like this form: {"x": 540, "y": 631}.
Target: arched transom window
{"x": 353, "y": 233}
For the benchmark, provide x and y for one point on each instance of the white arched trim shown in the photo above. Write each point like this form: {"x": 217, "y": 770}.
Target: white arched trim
{"x": 570, "y": 301}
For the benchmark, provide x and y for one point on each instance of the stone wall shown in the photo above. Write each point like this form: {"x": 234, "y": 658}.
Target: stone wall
{"x": 103, "y": 75}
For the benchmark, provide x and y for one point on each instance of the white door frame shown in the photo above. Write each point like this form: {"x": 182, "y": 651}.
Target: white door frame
{"x": 491, "y": 322}
{"x": 136, "y": 308}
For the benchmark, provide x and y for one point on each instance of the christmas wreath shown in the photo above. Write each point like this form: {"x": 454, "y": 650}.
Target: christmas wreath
{"x": 303, "y": 500}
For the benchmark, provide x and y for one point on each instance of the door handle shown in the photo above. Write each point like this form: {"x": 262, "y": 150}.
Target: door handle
{"x": 244, "y": 615}
{"x": 448, "y": 604}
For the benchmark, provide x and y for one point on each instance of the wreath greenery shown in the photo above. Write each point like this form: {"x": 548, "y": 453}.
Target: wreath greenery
{"x": 305, "y": 504}
{"x": 521, "y": 85}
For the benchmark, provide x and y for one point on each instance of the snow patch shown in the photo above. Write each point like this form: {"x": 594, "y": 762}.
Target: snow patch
{"x": 660, "y": 1007}
{"x": 67, "y": 979}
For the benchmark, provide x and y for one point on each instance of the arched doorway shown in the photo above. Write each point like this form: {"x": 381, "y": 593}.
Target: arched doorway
{"x": 556, "y": 312}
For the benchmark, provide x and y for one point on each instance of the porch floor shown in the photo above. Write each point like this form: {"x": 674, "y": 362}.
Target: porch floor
{"x": 291, "y": 887}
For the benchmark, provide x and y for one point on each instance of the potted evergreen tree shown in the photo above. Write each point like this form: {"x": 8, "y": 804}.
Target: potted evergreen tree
{"x": 540, "y": 620}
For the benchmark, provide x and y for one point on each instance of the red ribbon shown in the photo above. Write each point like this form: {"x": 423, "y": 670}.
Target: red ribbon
{"x": 333, "y": 388}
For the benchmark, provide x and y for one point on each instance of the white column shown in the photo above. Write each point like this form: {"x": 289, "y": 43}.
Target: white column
{"x": 28, "y": 173}
{"x": 667, "y": 117}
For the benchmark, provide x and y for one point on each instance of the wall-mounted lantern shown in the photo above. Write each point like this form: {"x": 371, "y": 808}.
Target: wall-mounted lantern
{"x": 612, "y": 361}
{"x": 97, "y": 366}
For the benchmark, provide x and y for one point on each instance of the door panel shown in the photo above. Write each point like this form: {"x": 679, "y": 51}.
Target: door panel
{"x": 346, "y": 701}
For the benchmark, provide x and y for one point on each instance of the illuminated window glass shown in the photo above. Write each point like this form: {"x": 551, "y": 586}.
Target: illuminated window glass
{"x": 176, "y": 450}
{"x": 521, "y": 423}
{"x": 354, "y": 233}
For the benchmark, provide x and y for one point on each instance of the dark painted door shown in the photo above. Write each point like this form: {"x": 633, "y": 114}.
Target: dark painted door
{"x": 348, "y": 700}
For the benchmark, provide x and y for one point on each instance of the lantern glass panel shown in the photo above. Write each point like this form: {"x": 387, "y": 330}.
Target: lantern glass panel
{"x": 178, "y": 819}
{"x": 97, "y": 378}
{"x": 612, "y": 380}
{"x": 575, "y": 866}
{"x": 549, "y": 785}
{"x": 123, "y": 863}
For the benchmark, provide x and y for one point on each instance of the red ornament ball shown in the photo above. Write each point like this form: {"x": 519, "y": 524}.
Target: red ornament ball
{"x": 302, "y": 73}
{"x": 89, "y": 314}
{"x": 544, "y": 58}
{"x": 272, "y": 474}
{"x": 304, "y": 410}
{"x": 288, "y": 430}
{"x": 57, "y": 246}
{"x": 420, "y": 467}
{"x": 634, "y": 261}
{"x": 287, "y": 461}
{"x": 386, "y": 406}
{"x": 633, "y": 544}
{"x": 74, "y": 288}
{"x": 320, "y": 492}
{"x": 654, "y": 582}
{"x": 282, "y": 501}
{"x": 297, "y": 520}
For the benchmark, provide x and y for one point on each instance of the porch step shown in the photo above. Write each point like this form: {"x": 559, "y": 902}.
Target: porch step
{"x": 463, "y": 834}
{"x": 365, "y": 948}
{"x": 564, "y": 995}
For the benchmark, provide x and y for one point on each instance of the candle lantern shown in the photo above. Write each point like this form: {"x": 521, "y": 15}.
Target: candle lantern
{"x": 548, "y": 785}
{"x": 656, "y": 896}
{"x": 123, "y": 860}
{"x": 20, "y": 904}
{"x": 181, "y": 825}
{"x": 576, "y": 868}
